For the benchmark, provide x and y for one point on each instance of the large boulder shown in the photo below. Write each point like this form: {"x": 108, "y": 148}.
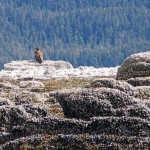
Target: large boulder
{"x": 23, "y": 65}
{"x": 87, "y": 103}
{"x": 29, "y": 69}
{"x": 113, "y": 84}
{"x": 136, "y": 65}
{"x": 141, "y": 92}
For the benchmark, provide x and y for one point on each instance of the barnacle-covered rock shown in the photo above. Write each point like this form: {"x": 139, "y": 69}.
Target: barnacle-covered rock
{"x": 108, "y": 114}
{"x": 114, "y": 84}
{"x": 101, "y": 141}
{"x": 139, "y": 81}
{"x": 17, "y": 115}
{"x": 127, "y": 126}
{"x": 87, "y": 103}
{"x": 136, "y": 65}
{"x": 78, "y": 142}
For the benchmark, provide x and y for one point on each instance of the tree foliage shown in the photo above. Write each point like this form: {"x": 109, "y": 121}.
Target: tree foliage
{"x": 83, "y": 32}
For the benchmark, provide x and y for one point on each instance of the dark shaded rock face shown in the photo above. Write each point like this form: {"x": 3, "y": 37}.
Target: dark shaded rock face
{"x": 108, "y": 114}
{"x": 137, "y": 65}
{"x": 113, "y": 116}
{"x": 87, "y": 103}
{"x": 140, "y": 81}
{"x": 125, "y": 126}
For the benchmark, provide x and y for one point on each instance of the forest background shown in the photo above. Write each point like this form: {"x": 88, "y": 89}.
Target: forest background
{"x": 83, "y": 32}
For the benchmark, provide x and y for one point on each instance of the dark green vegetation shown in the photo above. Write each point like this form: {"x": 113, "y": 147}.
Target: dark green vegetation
{"x": 83, "y": 32}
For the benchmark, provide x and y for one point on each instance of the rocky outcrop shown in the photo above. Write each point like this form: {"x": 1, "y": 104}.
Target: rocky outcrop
{"x": 139, "y": 81}
{"x": 136, "y": 65}
{"x": 8, "y": 85}
{"x": 21, "y": 102}
{"x": 136, "y": 87}
{"x": 78, "y": 142}
{"x": 23, "y": 65}
{"x": 29, "y": 69}
{"x": 32, "y": 85}
{"x": 110, "y": 108}
{"x": 106, "y": 111}
{"x": 106, "y": 114}
{"x": 99, "y": 132}
{"x": 101, "y": 116}
{"x": 113, "y": 84}
{"x": 87, "y": 103}
{"x": 143, "y": 94}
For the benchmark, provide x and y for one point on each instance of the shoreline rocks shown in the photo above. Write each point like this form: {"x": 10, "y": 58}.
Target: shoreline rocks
{"x": 106, "y": 114}
{"x": 136, "y": 65}
{"x": 30, "y": 70}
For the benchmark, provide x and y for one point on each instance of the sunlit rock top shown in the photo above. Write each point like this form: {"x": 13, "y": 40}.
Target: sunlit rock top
{"x": 52, "y": 69}
{"x": 136, "y": 65}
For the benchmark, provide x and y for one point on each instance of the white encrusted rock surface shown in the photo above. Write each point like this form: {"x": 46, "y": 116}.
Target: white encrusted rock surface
{"x": 52, "y": 69}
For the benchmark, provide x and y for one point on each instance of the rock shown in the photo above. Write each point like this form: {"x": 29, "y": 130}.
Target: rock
{"x": 98, "y": 142}
{"x": 50, "y": 72}
{"x": 8, "y": 85}
{"x": 109, "y": 114}
{"x": 98, "y": 133}
{"x": 143, "y": 94}
{"x": 88, "y": 103}
{"x": 30, "y": 84}
{"x": 19, "y": 97}
{"x": 5, "y": 101}
{"x": 3, "y": 94}
{"x": 59, "y": 64}
{"x": 42, "y": 125}
{"x": 51, "y": 125}
{"x": 3, "y": 137}
{"x": 78, "y": 142}
{"x": 127, "y": 126}
{"x": 139, "y": 81}
{"x": 31, "y": 69}
{"x": 27, "y": 97}
{"x": 136, "y": 65}
{"x": 24, "y": 65}
{"x": 114, "y": 84}
{"x": 34, "y": 86}
{"x": 34, "y": 142}
{"x": 17, "y": 115}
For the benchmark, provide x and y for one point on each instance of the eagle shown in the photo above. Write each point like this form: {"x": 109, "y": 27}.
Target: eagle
{"x": 38, "y": 55}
